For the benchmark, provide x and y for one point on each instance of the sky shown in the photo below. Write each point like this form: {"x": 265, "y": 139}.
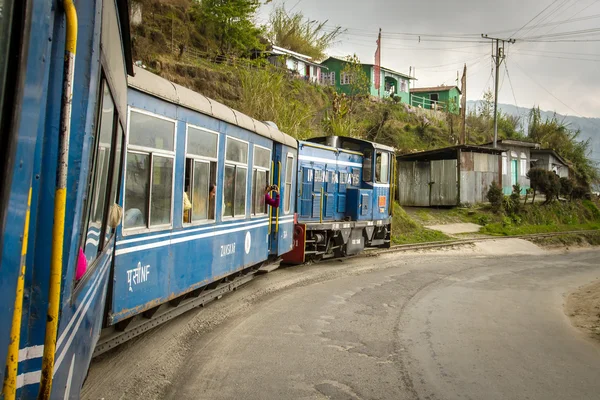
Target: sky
{"x": 544, "y": 67}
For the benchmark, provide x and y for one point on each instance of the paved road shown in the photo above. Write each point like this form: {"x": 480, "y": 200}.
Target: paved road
{"x": 438, "y": 327}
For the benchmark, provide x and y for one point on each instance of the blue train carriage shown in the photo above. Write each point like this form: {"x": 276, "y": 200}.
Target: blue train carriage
{"x": 59, "y": 84}
{"x": 344, "y": 198}
{"x": 180, "y": 237}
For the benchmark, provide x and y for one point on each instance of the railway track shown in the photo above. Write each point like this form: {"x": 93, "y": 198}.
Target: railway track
{"x": 114, "y": 336}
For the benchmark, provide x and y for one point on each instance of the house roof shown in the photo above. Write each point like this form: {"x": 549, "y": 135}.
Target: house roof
{"x": 280, "y": 51}
{"x": 511, "y": 142}
{"x": 447, "y": 153}
{"x": 550, "y": 151}
{"x": 372, "y": 65}
{"x": 434, "y": 89}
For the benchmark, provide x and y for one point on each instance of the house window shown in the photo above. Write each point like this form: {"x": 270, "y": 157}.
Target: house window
{"x": 345, "y": 78}
{"x": 260, "y": 178}
{"x": 200, "y": 174}
{"x": 328, "y": 78}
{"x": 236, "y": 171}
{"x": 149, "y": 176}
{"x": 504, "y": 164}
{"x": 289, "y": 173}
{"x": 382, "y": 167}
{"x": 523, "y": 167}
{"x": 403, "y": 86}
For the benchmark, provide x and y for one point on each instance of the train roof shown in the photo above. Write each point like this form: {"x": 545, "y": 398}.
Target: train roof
{"x": 158, "y": 86}
{"x": 339, "y": 141}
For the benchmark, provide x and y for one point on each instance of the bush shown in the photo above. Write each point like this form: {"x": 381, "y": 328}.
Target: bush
{"x": 553, "y": 189}
{"x": 581, "y": 192}
{"x": 495, "y": 196}
{"x": 546, "y": 182}
{"x": 538, "y": 179}
{"x": 515, "y": 199}
{"x": 566, "y": 187}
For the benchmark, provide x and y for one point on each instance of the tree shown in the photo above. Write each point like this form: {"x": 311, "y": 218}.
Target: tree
{"x": 229, "y": 23}
{"x": 538, "y": 179}
{"x": 302, "y": 35}
{"x": 486, "y": 107}
{"x": 359, "y": 81}
{"x": 495, "y": 196}
{"x": 566, "y": 187}
{"x": 554, "y": 134}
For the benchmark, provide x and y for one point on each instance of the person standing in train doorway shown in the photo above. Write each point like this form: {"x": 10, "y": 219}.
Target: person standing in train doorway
{"x": 273, "y": 202}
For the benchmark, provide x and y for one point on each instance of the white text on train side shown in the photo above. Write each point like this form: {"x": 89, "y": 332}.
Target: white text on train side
{"x": 137, "y": 275}
{"x": 227, "y": 249}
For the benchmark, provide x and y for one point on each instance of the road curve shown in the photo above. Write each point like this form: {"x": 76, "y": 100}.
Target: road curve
{"x": 450, "y": 326}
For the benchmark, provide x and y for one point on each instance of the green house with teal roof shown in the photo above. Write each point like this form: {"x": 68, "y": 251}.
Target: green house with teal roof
{"x": 393, "y": 83}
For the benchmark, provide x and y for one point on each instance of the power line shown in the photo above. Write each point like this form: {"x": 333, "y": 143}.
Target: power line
{"x": 532, "y": 19}
{"x": 558, "y": 57}
{"x": 546, "y": 17}
{"x": 572, "y": 18}
{"x": 556, "y": 23}
{"x": 546, "y": 90}
{"x": 522, "y": 115}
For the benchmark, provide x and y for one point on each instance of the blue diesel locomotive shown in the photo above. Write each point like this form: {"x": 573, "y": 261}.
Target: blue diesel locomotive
{"x": 344, "y": 198}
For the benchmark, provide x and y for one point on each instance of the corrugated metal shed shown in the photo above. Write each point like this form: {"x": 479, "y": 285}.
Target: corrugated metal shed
{"x": 447, "y": 177}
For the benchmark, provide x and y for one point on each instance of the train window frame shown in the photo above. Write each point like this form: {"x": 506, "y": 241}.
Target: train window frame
{"x": 287, "y": 196}
{"x": 379, "y": 155}
{"x": 112, "y": 186}
{"x": 151, "y": 153}
{"x": 213, "y": 162}
{"x": 256, "y": 191}
{"x": 367, "y": 166}
{"x": 236, "y": 165}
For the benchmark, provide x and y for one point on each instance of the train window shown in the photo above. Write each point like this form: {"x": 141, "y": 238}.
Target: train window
{"x": 116, "y": 178}
{"x": 236, "y": 174}
{"x": 237, "y": 151}
{"x": 202, "y": 142}
{"x": 149, "y": 176}
{"x": 95, "y": 202}
{"x": 151, "y": 132}
{"x": 368, "y": 166}
{"x": 103, "y": 181}
{"x": 160, "y": 193}
{"x": 200, "y": 174}
{"x": 382, "y": 167}
{"x": 289, "y": 173}
{"x": 137, "y": 181}
{"x": 260, "y": 179}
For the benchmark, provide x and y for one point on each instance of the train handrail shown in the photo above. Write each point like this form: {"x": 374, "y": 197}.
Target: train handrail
{"x": 321, "y": 207}
{"x": 279, "y": 188}
{"x": 271, "y": 208}
{"x": 58, "y": 230}
{"x": 9, "y": 389}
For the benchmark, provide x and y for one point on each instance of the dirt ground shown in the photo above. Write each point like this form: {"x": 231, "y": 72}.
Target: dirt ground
{"x": 583, "y": 307}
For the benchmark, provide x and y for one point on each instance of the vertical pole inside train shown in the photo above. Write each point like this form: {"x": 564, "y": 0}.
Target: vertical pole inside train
{"x": 60, "y": 200}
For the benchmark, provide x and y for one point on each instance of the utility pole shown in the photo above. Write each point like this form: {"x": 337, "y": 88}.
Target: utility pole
{"x": 463, "y": 107}
{"x": 498, "y": 58}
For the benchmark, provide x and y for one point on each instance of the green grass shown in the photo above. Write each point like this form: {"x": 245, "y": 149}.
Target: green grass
{"x": 500, "y": 229}
{"x": 405, "y": 230}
